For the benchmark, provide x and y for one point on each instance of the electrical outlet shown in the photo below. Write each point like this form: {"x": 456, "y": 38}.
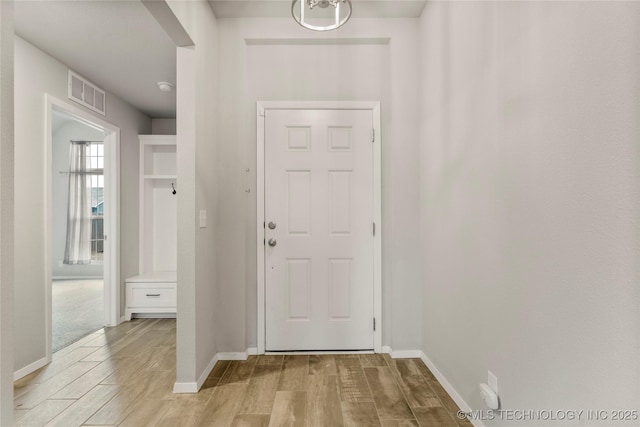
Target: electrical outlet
{"x": 492, "y": 381}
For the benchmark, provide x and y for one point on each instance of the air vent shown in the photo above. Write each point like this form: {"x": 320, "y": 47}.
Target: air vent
{"x": 86, "y": 93}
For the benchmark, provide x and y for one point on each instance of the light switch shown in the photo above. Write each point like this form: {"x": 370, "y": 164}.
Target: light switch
{"x": 203, "y": 219}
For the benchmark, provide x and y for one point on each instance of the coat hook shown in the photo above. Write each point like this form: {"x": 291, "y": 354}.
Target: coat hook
{"x": 174, "y": 189}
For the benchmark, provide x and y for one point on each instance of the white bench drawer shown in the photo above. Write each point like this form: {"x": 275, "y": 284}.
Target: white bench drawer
{"x": 152, "y": 297}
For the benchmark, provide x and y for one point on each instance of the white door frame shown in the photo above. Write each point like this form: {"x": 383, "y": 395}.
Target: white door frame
{"x": 112, "y": 217}
{"x": 374, "y": 107}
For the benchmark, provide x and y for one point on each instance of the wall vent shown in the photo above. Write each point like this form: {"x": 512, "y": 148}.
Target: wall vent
{"x": 86, "y": 93}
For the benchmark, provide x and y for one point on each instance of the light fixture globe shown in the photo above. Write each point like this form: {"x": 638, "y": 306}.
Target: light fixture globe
{"x": 341, "y": 16}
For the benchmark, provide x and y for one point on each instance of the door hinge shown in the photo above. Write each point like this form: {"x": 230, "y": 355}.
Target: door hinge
{"x": 374, "y": 228}
{"x": 374, "y": 323}
{"x": 373, "y": 135}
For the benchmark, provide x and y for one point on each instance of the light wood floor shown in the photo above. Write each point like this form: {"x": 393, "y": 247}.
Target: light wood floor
{"x": 123, "y": 376}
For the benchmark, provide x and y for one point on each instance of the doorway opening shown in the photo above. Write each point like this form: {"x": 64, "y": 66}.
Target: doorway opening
{"x": 82, "y": 224}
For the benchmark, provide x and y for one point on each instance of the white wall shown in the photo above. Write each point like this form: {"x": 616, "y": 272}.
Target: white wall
{"x": 36, "y": 74}
{"x": 376, "y": 60}
{"x": 529, "y": 201}
{"x": 63, "y": 132}
{"x": 6, "y": 213}
{"x": 197, "y": 69}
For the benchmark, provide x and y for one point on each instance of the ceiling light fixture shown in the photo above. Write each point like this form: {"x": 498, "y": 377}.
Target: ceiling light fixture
{"x": 340, "y": 17}
{"x": 166, "y": 86}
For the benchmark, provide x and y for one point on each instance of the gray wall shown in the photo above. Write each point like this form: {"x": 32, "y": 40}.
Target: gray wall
{"x": 163, "y": 126}
{"x": 529, "y": 201}
{"x": 63, "y": 132}
{"x": 36, "y": 74}
{"x": 368, "y": 71}
{"x": 196, "y": 152}
{"x": 6, "y": 213}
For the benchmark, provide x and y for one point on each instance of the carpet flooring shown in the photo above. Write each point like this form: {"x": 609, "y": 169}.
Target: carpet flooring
{"x": 78, "y": 310}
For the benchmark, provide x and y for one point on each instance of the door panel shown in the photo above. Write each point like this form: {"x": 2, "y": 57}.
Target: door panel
{"x": 319, "y": 194}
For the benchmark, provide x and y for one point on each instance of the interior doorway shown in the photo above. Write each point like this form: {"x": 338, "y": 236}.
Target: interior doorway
{"x": 82, "y": 224}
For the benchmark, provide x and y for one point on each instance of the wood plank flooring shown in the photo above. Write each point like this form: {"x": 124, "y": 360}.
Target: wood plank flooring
{"x": 124, "y": 376}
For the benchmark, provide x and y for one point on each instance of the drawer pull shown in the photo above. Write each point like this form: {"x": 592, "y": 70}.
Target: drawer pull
{"x": 153, "y": 295}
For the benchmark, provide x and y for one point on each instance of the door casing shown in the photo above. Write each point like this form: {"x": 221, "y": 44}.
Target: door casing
{"x": 112, "y": 219}
{"x": 374, "y": 107}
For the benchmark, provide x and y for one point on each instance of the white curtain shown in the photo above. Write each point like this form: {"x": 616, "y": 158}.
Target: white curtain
{"x": 78, "y": 247}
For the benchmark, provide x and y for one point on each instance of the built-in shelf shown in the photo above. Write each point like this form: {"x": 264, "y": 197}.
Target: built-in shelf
{"x": 158, "y": 155}
{"x": 154, "y": 290}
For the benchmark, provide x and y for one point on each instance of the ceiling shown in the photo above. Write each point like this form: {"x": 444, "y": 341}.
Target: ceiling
{"x": 117, "y": 45}
{"x": 120, "y": 47}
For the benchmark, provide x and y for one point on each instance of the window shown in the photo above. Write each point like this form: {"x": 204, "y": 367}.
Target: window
{"x": 95, "y": 164}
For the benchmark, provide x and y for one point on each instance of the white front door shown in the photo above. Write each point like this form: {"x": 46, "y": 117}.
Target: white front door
{"x": 319, "y": 214}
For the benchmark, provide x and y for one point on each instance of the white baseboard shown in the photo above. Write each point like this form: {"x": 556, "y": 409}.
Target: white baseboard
{"x": 402, "y": 354}
{"x": 23, "y": 372}
{"x": 449, "y": 388}
{"x": 232, "y": 356}
{"x": 183, "y": 388}
{"x": 194, "y": 387}
{"x": 59, "y": 278}
{"x": 407, "y": 354}
{"x": 243, "y": 355}
{"x": 207, "y": 371}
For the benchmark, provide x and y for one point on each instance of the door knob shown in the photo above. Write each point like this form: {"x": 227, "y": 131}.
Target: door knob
{"x": 272, "y": 242}
{"x": 272, "y": 225}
